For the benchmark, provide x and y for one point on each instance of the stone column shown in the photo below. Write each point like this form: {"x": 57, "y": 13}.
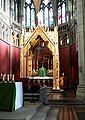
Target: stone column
{"x": 80, "y": 94}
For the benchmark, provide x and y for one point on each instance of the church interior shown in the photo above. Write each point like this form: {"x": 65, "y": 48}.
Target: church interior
{"x": 42, "y": 60}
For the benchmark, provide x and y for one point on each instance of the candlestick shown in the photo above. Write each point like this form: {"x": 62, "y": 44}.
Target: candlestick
{"x": 3, "y": 78}
{"x": 8, "y": 77}
{"x": 1, "y": 75}
{"x": 13, "y": 77}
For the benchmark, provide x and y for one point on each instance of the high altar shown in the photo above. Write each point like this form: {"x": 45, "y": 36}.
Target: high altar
{"x": 40, "y": 49}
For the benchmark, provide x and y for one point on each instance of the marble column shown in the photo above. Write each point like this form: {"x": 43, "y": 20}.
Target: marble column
{"x": 80, "y": 93}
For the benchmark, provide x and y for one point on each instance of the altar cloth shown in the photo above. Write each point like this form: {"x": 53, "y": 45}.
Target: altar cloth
{"x": 11, "y": 96}
{"x": 40, "y": 78}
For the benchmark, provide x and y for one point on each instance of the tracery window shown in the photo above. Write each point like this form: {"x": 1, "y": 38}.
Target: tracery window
{"x": 62, "y": 16}
{"x": 45, "y": 14}
{"x": 72, "y": 8}
{"x": 29, "y": 13}
{"x": 66, "y": 10}
{"x": 3, "y": 4}
{"x": 14, "y": 10}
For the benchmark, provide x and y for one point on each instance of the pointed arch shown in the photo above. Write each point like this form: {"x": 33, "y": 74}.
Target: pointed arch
{"x": 40, "y": 35}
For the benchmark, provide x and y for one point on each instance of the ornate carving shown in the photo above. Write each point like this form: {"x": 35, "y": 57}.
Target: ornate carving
{"x": 29, "y": 47}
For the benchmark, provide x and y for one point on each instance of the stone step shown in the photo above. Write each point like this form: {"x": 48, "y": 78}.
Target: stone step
{"x": 31, "y": 96}
{"x": 57, "y": 91}
{"x": 42, "y": 113}
{"x": 25, "y": 113}
{"x": 53, "y": 113}
{"x": 66, "y": 102}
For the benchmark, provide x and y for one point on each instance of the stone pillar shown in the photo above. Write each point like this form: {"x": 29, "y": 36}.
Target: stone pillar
{"x": 80, "y": 93}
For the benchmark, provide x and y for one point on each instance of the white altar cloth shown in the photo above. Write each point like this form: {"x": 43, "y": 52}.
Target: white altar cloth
{"x": 40, "y": 78}
{"x": 19, "y": 95}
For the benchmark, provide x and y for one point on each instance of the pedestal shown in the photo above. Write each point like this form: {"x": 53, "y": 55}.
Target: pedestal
{"x": 80, "y": 93}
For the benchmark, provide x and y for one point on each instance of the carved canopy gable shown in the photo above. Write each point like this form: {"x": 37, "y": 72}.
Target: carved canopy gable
{"x": 34, "y": 39}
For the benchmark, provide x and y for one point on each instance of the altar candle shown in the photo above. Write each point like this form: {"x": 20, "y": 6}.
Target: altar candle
{"x": 3, "y": 77}
{"x": 13, "y": 77}
{"x": 8, "y": 77}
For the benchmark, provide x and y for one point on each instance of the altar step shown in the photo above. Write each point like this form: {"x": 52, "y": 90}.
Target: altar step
{"x": 38, "y": 111}
{"x": 53, "y": 113}
{"x": 30, "y": 111}
{"x": 24, "y": 113}
{"x": 66, "y": 102}
{"x": 64, "y": 98}
{"x": 32, "y": 97}
{"x": 56, "y": 90}
{"x": 42, "y": 113}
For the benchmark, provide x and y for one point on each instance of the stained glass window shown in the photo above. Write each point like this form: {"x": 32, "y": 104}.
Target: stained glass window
{"x": 3, "y": 4}
{"x": 66, "y": 10}
{"x": 62, "y": 12}
{"x": 59, "y": 15}
{"x": 14, "y": 10}
{"x": 45, "y": 14}
{"x": 29, "y": 14}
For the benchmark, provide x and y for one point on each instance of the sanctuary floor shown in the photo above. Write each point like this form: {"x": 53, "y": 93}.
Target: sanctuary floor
{"x": 38, "y": 111}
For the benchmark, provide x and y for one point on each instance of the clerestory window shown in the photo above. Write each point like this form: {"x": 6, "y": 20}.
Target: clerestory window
{"x": 62, "y": 16}
{"x": 3, "y": 4}
{"x": 45, "y": 14}
{"x": 29, "y": 14}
